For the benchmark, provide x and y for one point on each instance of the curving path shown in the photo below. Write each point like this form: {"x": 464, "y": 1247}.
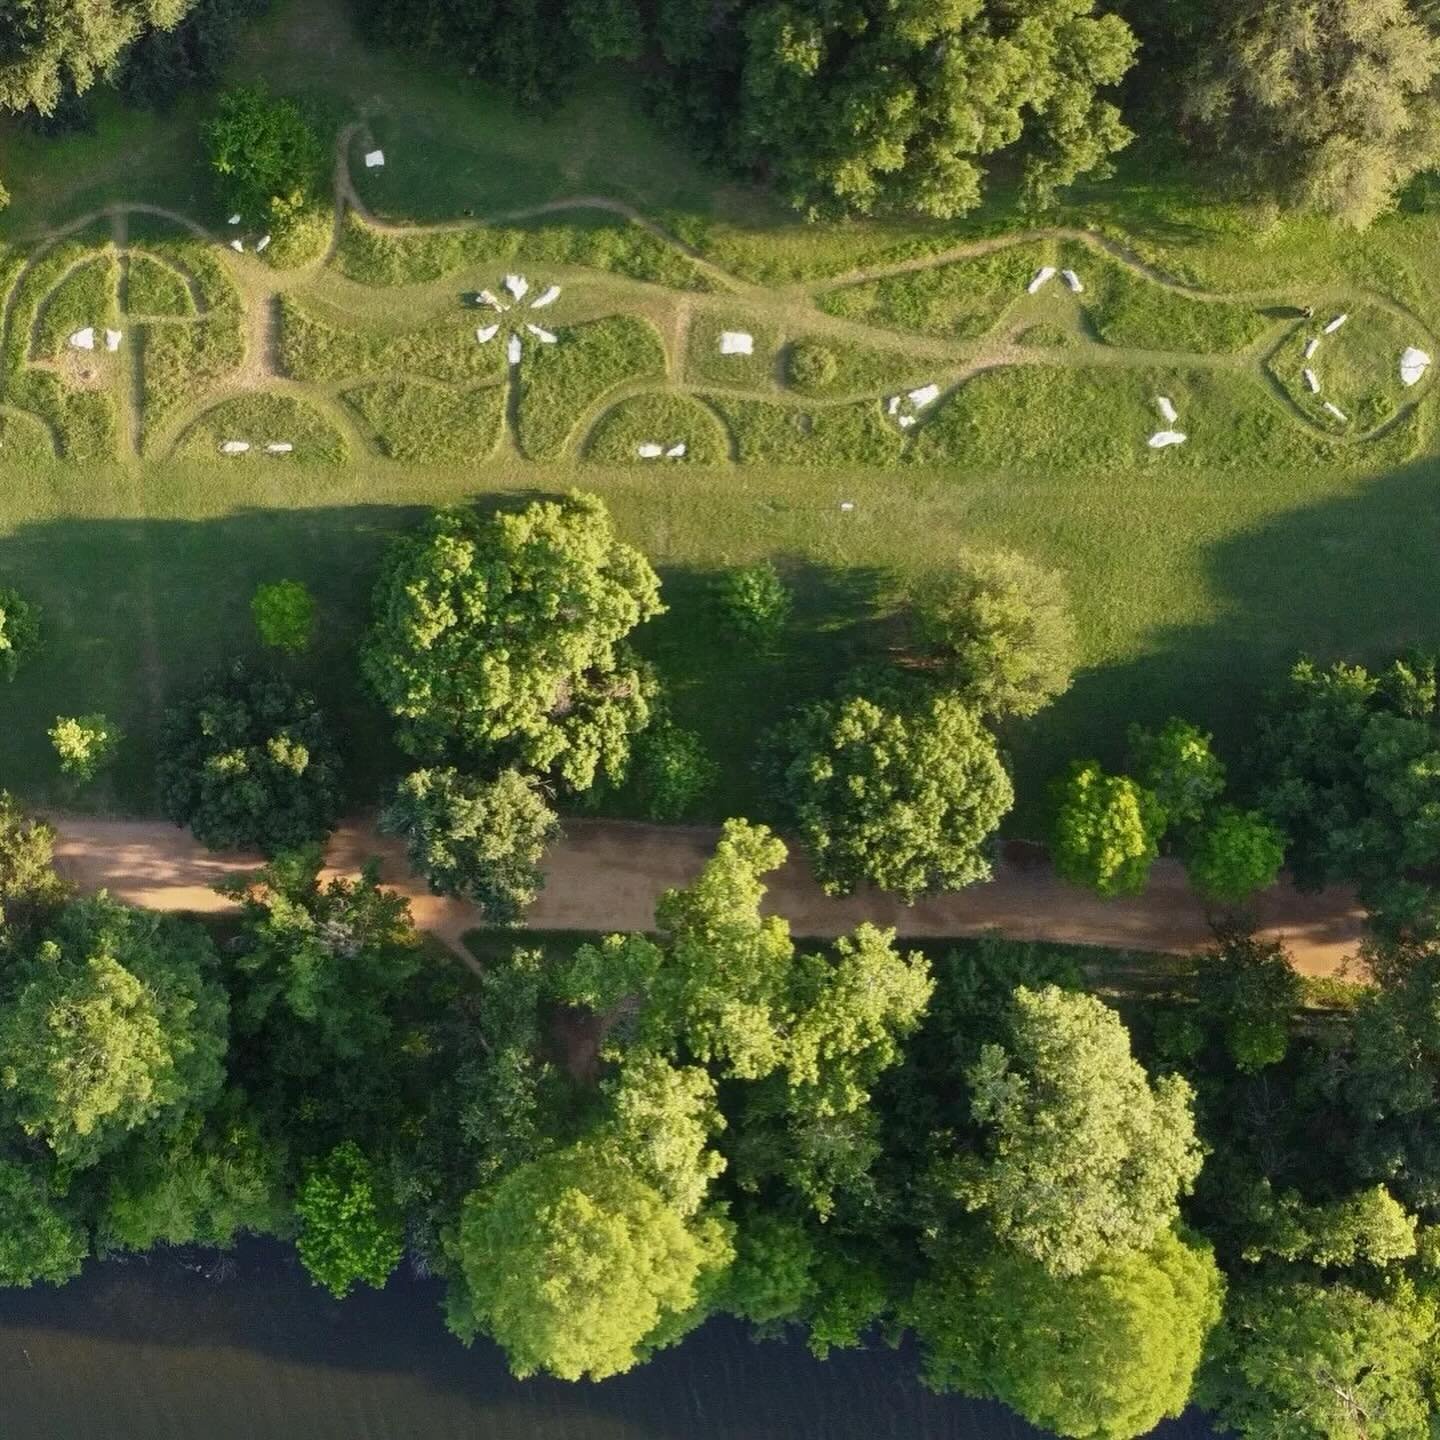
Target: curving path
{"x": 607, "y": 875}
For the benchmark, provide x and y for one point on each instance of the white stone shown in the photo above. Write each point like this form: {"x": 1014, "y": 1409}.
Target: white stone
{"x": 234, "y": 447}
{"x": 112, "y": 340}
{"x": 260, "y": 244}
{"x": 736, "y": 342}
{"x": 1413, "y": 365}
{"x": 649, "y": 450}
{"x": 512, "y": 349}
{"x": 1073, "y": 281}
{"x": 1312, "y": 381}
{"x": 1311, "y": 346}
{"x": 484, "y": 334}
{"x": 517, "y": 285}
{"x": 1043, "y": 276}
{"x": 894, "y": 405}
{"x": 238, "y": 246}
{"x": 924, "y": 395}
{"x": 235, "y": 218}
{"x": 1335, "y": 324}
{"x": 492, "y": 301}
{"x": 543, "y": 336}
{"x": 676, "y": 452}
{"x": 1163, "y": 438}
{"x": 83, "y": 339}
{"x": 548, "y": 298}
{"x": 279, "y": 447}
{"x": 906, "y": 421}
{"x": 1337, "y": 412}
{"x": 1166, "y": 406}
{"x": 374, "y": 158}
{"x": 847, "y": 504}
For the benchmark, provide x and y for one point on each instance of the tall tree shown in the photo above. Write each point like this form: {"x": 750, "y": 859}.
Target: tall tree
{"x": 1250, "y": 991}
{"x": 502, "y": 638}
{"x": 351, "y": 1230}
{"x": 39, "y": 1238}
{"x": 1107, "y": 830}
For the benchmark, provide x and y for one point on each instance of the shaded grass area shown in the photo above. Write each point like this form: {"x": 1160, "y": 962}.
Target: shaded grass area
{"x": 704, "y": 363}
{"x": 416, "y": 422}
{"x": 313, "y": 348}
{"x": 828, "y": 436}
{"x": 154, "y": 288}
{"x": 665, "y": 419}
{"x": 559, "y": 384}
{"x": 261, "y": 418}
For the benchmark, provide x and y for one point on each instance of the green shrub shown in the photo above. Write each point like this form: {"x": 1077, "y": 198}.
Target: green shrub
{"x": 303, "y": 240}
{"x": 284, "y": 615}
{"x": 266, "y": 155}
{"x": 559, "y": 384}
{"x": 19, "y": 631}
{"x": 672, "y": 770}
{"x": 704, "y": 362}
{"x": 663, "y": 418}
{"x": 153, "y": 288}
{"x": 417, "y": 422}
{"x": 811, "y": 366}
{"x": 263, "y": 418}
{"x": 86, "y": 744}
{"x": 754, "y": 602}
{"x": 832, "y": 435}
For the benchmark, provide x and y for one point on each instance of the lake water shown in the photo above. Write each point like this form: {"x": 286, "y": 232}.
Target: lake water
{"x": 153, "y": 1350}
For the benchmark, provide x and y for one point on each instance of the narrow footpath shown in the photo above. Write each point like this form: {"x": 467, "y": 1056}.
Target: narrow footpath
{"x": 607, "y": 875}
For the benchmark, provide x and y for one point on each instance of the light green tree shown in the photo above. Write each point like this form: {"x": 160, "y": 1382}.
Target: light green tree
{"x": 478, "y": 839}
{"x": 1083, "y": 1153}
{"x": 30, "y": 890}
{"x": 1107, "y": 831}
{"x": 351, "y": 1229}
{"x": 1368, "y": 1227}
{"x": 86, "y": 744}
{"x": 1234, "y": 854}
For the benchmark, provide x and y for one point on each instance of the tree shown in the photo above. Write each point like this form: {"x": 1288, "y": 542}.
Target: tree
{"x": 1234, "y": 854}
{"x": 30, "y": 890}
{"x": 754, "y": 603}
{"x": 1083, "y": 1154}
{"x": 577, "y": 1267}
{"x": 266, "y": 154}
{"x": 38, "y": 1239}
{"x": 997, "y": 630}
{"x": 117, "y": 1020}
{"x": 501, "y": 638}
{"x": 1176, "y": 765}
{"x": 351, "y": 1230}
{"x": 1299, "y": 1360}
{"x": 773, "y": 1277}
{"x": 902, "y": 791}
{"x": 1107, "y": 831}
{"x": 672, "y": 770}
{"x": 86, "y": 744}
{"x": 1108, "y": 1353}
{"x": 1249, "y": 989}
{"x": 1367, "y": 1227}
{"x": 247, "y": 761}
{"x": 49, "y": 45}
{"x": 19, "y": 624}
{"x": 476, "y": 839}
{"x": 1329, "y": 107}
{"x": 284, "y": 614}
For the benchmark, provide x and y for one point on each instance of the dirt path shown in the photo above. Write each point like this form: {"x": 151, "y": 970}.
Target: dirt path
{"x": 607, "y": 875}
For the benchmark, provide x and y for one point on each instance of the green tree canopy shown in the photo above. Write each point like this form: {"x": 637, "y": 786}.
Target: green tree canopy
{"x": 1331, "y": 107}
{"x": 265, "y": 154}
{"x": 1249, "y": 990}
{"x": 86, "y": 744}
{"x": 902, "y": 791}
{"x": 1083, "y": 1154}
{"x": 997, "y": 629}
{"x": 248, "y": 761}
{"x": 501, "y": 637}
{"x": 351, "y": 1230}
{"x": 1107, "y": 830}
{"x": 1234, "y": 854}
{"x": 30, "y": 890}
{"x": 1176, "y": 765}
{"x": 39, "y": 1240}
{"x": 19, "y": 624}
{"x": 116, "y": 1020}
{"x": 1367, "y": 1227}
{"x": 479, "y": 839}
{"x": 47, "y": 46}
{"x": 1105, "y": 1354}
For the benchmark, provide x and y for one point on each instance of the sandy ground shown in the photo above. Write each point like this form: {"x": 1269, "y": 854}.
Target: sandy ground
{"x": 606, "y": 875}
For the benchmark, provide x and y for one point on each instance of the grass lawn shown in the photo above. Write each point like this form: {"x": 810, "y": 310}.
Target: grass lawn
{"x": 1196, "y": 574}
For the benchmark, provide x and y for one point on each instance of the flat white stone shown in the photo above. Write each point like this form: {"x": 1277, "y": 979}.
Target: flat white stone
{"x": 1413, "y": 365}
{"x": 234, "y": 447}
{"x": 1337, "y": 412}
{"x": 83, "y": 339}
{"x": 1335, "y": 324}
{"x": 847, "y": 504}
{"x": 260, "y": 244}
{"x": 894, "y": 405}
{"x": 374, "y": 158}
{"x": 484, "y": 334}
{"x": 906, "y": 421}
{"x": 112, "y": 340}
{"x": 543, "y": 336}
{"x": 548, "y": 298}
{"x": 924, "y": 395}
{"x": 279, "y": 447}
{"x": 676, "y": 452}
{"x": 512, "y": 349}
{"x": 1166, "y": 406}
{"x": 1161, "y": 439}
{"x": 1312, "y": 381}
{"x": 235, "y": 218}
{"x": 1311, "y": 346}
{"x": 492, "y": 301}
{"x": 238, "y": 246}
{"x": 1042, "y": 276}
{"x": 517, "y": 285}
{"x": 649, "y": 450}
{"x": 736, "y": 342}
{"x": 1073, "y": 281}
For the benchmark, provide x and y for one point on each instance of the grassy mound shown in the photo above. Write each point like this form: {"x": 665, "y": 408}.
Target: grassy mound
{"x": 260, "y": 418}
{"x": 154, "y": 288}
{"x": 704, "y": 362}
{"x": 560, "y": 384}
{"x": 23, "y": 439}
{"x": 772, "y": 434}
{"x": 83, "y": 297}
{"x": 831, "y": 367}
{"x": 422, "y": 423}
{"x": 663, "y": 419}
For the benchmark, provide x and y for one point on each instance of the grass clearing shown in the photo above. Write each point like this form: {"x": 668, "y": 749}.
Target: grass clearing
{"x": 263, "y": 418}
{"x": 153, "y": 288}
{"x": 824, "y": 367}
{"x": 560, "y": 384}
{"x": 831, "y": 435}
{"x": 666, "y": 419}
{"x": 704, "y": 364}
{"x": 421, "y": 423}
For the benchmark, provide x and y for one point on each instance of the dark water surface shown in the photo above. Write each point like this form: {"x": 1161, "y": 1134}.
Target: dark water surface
{"x": 151, "y": 1350}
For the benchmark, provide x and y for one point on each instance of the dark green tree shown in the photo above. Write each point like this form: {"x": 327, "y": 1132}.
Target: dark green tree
{"x": 1177, "y": 766}
{"x": 265, "y": 154}
{"x": 39, "y": 1238}
{"x": 19, "y": 622}
{"x": 1249, "y": 990}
